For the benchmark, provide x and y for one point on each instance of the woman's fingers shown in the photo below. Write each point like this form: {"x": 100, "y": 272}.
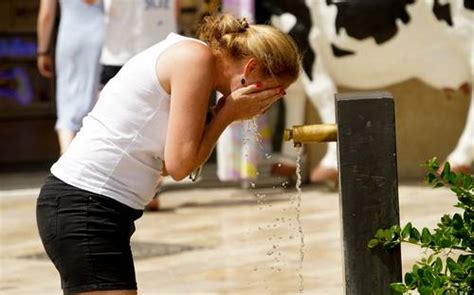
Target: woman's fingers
{"x": 261, "y": 105}
{"x": 250, "y": 88}
{"x": 252, "y": 100}
{"x": 267, "y": 94}
{"x": 257, "y": 87}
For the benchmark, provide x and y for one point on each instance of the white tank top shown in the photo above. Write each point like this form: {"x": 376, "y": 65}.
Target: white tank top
{"x": 119, "y": 150}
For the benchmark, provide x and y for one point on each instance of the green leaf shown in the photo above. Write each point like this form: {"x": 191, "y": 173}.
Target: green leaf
{"x": 452, "y": 265}
{"x": 432, "y": 164}
{"x": 428, "y": 276}
{"x": 379, "y": 234}
{"x": 465, "y": 260}
{"x": 458, "y": 222}
{"x": 373, "y": 243}
{"x": 415, "y": 270}
{"x": 430, "y": 177}
{"x": 406, "y": 231}
{"x": 421, "y": 273}
{"x": 414, "y": 235}
{"x": 425, "y": 290}
{"x": 446, "y": 243}
{"x": 410, "y": 279}
{"x": 387, "y": 234}
{"x": 398, "y": 288}
{"x": 467, "y": 182}
{"x": 395, "y": 231}
{"x": 446, "y": 174}
{"x": 437, "y": 283}
{"x": 425, "y": 236}
{"x": 446, "y": 219}
{"x": 437, "y": 265}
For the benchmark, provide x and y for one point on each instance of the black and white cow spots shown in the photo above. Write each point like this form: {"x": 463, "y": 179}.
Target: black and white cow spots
{"x": 339, "y": 52}
{"x": 469, "y": 4}
{"x": 368, "y": 18}
{"x": 443, "y": 12}
{"x": 367, "y": 44}
{"x": 298, "y": 10}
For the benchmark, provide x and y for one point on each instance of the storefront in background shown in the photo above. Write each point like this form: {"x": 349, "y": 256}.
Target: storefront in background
{"x": 27, "y": 112}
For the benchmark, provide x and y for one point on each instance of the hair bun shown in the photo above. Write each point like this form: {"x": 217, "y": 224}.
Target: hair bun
{"x": 243, "y": 24}
{"x": 214, "y": 28}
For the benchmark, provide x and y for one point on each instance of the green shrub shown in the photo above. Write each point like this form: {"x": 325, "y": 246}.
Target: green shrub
{"x": 434, "y": 275}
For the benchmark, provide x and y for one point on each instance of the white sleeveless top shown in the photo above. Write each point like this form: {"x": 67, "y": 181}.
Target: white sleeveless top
{"x": 119, "y": 150}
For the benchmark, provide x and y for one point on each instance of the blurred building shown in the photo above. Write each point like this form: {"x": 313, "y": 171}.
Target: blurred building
{"x": 27, "y": 100}
{"x": 27, "y": 107}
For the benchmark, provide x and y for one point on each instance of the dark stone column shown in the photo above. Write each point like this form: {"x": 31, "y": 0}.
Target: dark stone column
{"x": 368, "y": 189}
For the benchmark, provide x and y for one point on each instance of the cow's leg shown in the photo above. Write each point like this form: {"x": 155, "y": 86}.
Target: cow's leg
{"x": 462, "y": 35}
{"x": 295, "y": 98}
{"x": 320, "y": 90}
{"x": 321, "y": 93}
{"x": 463, "y": 155}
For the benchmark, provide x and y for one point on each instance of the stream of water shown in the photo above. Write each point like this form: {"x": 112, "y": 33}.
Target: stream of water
{"x": 252, "y": 128}
{"x": 298, "y": 220}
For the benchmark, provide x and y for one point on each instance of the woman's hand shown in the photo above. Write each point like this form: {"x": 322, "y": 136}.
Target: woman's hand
{"x": 249, "y": 101}
{"x": 45, "y": 65}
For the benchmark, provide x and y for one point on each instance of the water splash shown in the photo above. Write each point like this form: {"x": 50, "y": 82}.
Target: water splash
{"x": 253, "y": 126}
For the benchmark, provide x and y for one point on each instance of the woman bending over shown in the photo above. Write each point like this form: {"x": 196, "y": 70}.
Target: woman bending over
{"x": 150, "y": 119}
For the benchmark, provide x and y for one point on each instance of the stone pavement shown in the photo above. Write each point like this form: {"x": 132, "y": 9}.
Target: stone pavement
{"x": 212, "y": 240}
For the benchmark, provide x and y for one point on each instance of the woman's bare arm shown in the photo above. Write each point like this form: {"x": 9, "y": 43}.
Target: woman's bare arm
{"x": 189, "y": 142}
{"x": 45, "y": 24}
{"x": 191, "y": 82}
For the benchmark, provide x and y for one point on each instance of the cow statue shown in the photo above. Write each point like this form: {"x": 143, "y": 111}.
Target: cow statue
{"x": 366, "y": 44}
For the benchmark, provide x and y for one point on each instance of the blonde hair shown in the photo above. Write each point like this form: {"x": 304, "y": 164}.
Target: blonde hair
{"x": 275, "y": 51}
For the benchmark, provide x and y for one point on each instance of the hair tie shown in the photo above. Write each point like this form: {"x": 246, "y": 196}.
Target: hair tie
{"x": 243, "y": 24}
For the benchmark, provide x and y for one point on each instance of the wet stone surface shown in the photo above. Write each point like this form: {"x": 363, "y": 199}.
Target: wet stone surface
{"x": 140, "y": 250}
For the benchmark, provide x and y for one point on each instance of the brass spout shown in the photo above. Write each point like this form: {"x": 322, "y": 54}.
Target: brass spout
{"x": 311, "y": 133}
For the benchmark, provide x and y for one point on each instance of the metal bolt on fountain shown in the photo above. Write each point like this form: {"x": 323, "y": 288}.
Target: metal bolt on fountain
{"x": 367, "y": 164}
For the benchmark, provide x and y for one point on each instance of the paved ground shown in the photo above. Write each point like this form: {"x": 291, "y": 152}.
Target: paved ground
{"x": 211, "y": 240}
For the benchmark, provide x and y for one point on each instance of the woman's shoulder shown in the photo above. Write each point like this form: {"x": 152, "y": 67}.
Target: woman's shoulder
{"x": 186, "y": 60}
{"x": 189, "y": 49}
{"x": 190, "y": 53}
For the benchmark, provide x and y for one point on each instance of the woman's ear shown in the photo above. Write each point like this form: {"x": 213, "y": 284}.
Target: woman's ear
{"x": 250, "y": 66}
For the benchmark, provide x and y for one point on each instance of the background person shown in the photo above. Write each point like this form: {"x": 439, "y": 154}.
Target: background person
{"x": 132, "y": 26}
{"x": 78, "y": 47}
